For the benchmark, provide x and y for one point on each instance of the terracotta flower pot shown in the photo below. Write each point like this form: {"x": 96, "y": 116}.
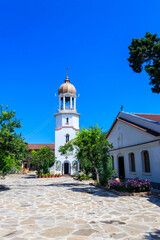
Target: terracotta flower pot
{"x": 52, "y": 176}
{"x": 42, "y": 176}
{"x": 49, "y": 176}
{"x": 39, "y": 176}
{"x": 46, "y": 176}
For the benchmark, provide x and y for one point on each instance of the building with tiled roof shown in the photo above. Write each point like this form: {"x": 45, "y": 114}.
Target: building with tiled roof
{"x": 152, "y": 117}
{"x": 35, "y": 146}
{"x": 136, "y": 146}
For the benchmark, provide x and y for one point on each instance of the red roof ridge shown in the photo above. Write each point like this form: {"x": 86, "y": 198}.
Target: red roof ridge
{"x": 152, "y": 117}
{"x": 147, "y": 113}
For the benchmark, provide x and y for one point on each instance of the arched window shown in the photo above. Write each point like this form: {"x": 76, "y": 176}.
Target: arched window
{"x": 67, "y": 137}
{"x": 145, "y": 161}
{"x": 67, "y": 120}
{"x": 132, "y": 166}
{"x": 67, "y": 102}
{"x": 112, "y": 162}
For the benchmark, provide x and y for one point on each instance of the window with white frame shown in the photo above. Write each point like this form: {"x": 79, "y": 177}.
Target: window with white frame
{"x": 132, "y": 167}
{"x": 146, "y": 162}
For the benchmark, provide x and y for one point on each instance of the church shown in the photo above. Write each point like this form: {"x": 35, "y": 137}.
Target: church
{"x": 136, "y": 146}
{"x": 66, "y": 126}
{"x": 67, "y": 123}
{"x": 135, "y": 139}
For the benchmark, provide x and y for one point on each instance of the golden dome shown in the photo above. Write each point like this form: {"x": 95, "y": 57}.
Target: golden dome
{"x": 67, "y": 87}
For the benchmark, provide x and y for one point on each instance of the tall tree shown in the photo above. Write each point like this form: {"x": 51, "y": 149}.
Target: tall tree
{"x": 91, "y": 145}
{"x": 146, "y": 52}
{"x": 43, "y": 159}
{"x": 13, "y": 149}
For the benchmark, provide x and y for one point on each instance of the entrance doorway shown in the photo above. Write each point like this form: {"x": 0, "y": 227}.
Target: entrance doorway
{"x": 121, "y": 168}
{"x": 66, "y": 168}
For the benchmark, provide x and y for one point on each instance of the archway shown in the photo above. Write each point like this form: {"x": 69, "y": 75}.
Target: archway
{"x": 66, "y": 167}
{"x": 121, "y": 168}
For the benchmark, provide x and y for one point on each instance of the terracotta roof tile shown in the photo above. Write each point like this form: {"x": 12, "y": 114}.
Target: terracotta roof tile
{"x": 153, "y": 117}
{"x": 38, "y": 146}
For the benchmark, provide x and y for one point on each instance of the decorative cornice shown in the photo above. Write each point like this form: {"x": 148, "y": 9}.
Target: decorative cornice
{"x": 134, "y": 145}
{"x": 60, "y": 112}
{"x": 77, "y": 129}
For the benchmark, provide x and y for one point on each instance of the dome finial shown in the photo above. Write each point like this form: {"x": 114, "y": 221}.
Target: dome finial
{"x": 67, "y": 78}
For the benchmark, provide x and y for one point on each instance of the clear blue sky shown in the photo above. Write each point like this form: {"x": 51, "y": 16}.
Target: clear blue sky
{"x": 38, "y": 39}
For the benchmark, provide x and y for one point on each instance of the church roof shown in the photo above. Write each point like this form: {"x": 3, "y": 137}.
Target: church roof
{"x": 38, "y": 146}
{"x": 153, "y": 117}
{"x": 67, "y": 87}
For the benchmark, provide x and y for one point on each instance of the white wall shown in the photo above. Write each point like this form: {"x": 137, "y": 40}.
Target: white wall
{"x": 73, "y": 120}
{"x": 154, "y": 157}
{"x": 60, "y": 138}
{"x": 123, "y": 136}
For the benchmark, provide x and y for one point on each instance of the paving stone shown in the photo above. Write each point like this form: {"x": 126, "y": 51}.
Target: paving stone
{"x": 111, "y": 229}
{"x": 77, "y": 238}
{"x": 28, "y": 221}
{"x": 65, "y": 209}
{"x": 119, "y": 236}
{"x": 56, "y": 232}
{"x": 5, "y": 233}
{"x": 84, "y": 232}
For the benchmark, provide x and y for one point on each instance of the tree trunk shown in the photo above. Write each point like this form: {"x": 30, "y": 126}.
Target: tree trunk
{"x": 96, "y": 171}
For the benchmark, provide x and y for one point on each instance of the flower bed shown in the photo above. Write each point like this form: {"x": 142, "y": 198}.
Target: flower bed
{"x": 83, "y": 177}
{"x": 130, "y": 186}
{"x": 48, "y": 175}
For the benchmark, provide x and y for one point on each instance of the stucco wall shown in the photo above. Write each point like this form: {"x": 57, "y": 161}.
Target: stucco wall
{"x": 154, "y": 157}
{"x": 60, "y": 139}
{"x": 73, "y": 120}
{"x": 123, "y": 137}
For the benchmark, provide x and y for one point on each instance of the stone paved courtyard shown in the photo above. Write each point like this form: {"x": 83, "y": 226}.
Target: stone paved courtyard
{"x": 65, "y": 209}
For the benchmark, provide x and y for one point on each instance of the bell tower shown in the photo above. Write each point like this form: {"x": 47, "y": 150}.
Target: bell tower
{"x": 67, "y": 123}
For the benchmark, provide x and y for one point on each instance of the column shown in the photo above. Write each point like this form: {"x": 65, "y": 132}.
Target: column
{"x": 63, "y": 102}
{"x": 74, "y": 103}
{"x": 70, "y": 102}
{"x": 59, "y": 103}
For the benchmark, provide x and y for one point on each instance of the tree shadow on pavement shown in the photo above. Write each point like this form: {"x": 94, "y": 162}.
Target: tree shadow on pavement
{"x": 154, "y": 199}
{"x": 153, "y": 235}
{"x": 29, "y": 176}
{"x": 81, "y": 188}
{"x": 94, "y": 191}
{"x": 4, "y": 188}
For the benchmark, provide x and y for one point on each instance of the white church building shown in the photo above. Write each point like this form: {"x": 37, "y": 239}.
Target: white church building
{"x": 67, "y": 123}
{"x": 136, "y": 146}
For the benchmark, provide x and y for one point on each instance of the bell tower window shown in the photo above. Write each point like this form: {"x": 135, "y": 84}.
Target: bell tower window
{"x": 67, "y": 120}
{"x": 67, "y": 102}
{"x": 67, "y": 138}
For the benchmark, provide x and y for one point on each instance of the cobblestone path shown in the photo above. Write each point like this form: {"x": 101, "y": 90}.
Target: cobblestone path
{"x": 65, "y": 209}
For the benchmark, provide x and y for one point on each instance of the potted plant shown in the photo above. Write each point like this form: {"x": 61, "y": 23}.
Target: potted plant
{"x": 42, "y": 175}
{"x": 46, "y": 175}
{"x": 39, "y": 175}
{"x": 59, "y": 175}
{"x": 52, "y": 175}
